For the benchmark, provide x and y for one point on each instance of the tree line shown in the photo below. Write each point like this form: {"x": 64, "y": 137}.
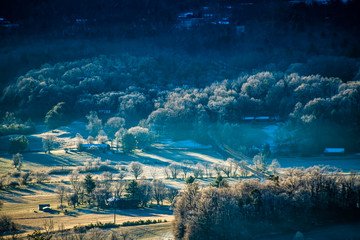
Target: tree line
{"x": 110, "y": 193}
{"x": 300, "y": 199}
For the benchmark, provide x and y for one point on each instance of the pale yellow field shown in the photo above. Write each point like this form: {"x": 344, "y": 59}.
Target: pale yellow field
{"x": 22, "y": 203}
{"x": 22, "y": 206}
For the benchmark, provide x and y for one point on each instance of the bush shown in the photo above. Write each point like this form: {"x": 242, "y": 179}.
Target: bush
{"x": 13, "y": 184}
{"x": 18, "y": 144}
{"x": 141, "y": 222}
{"x": 59, "y": 171}
{"x": 56, "y": 117}
{"x": 114, "y": 225}
{"x": 96, "y": 225}
{"x": 14, "y": 129}
{"x": 7, "y": 226}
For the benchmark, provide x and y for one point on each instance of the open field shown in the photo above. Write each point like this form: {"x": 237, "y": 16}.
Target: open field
{"x": 345, "y": 163}
{"x": 22, "y": 203}
{"x": 22, "y": 206}
{"x": 335, "y": 232}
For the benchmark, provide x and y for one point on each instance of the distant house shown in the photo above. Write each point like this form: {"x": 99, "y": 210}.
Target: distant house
{"x": 248, "y": 118}
{"x": 188, "y": 20}
{"x": 80, "y": 24}
{"x": 263, "y": 118}
{"x": 123, "y": 203}
{"x": 105, "y": 111}
{"x": 334, "y": 151}
{"x": 309, "y": 2}
{"x": 5, "y": 24}
{"x": 260, "y": 118}
{"x": 113, "y": 199}
{"x": 102, "y": 147}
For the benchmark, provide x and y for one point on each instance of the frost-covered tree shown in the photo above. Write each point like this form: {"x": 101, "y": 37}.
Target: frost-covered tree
{"x": 94, "y": 125}
{"x": 142, "y": 135}
{"x": 136, "y": 169}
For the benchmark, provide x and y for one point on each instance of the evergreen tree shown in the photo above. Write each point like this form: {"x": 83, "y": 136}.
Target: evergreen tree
{"x": 132, "y": 190}
{"x": 89, "y": 184}
{"x": 128, "y": 142}
{"x": 219, "y": 182}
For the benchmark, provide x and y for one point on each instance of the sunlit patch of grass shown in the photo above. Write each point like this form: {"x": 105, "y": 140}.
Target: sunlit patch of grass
{"x": 158, "y": 231}
{"x": 204, "y": 157}
{"x": 22, "y": 205}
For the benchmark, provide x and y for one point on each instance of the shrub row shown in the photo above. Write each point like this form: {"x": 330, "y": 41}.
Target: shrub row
{"x": 114, "y": 225}
{"x": 142, "y": 222}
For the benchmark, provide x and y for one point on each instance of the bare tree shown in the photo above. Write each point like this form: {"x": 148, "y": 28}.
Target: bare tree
{"x": 217, "y": 168}
{"x": 185, "y": 167}
{"x": 113, "y": 236}
{"x": 79, "y": 141}
{"x": 171, "y": 194}
{"x": 17, "y": 161}
{"x": 233, "y": 166}
{"x": 136, "y": 169}
{"x": 274, "y": 166}
{"x": 166, "y": 172}
{"x": 121, "y": 175}
{"x": 40, "y": 176}
{"x": 49, "y": 142}
{"x": 242, "y": 168}
{"x": 208, "y": 172}
{"x": 145, "y": 192}
{"x": 61, "y": 191}
{"x": 228, "y": 168}
{"x": 153, "y": 174}
{"x": 198, "y": 171}
{"x": 159, "y": 190}
{"x": 48, "y": 226}
{"x": 126, "y": 235}
{"x": 118, "y": 188}
{"x": 25, "y": 178}
{"x": 260, "y": 162}
{"x": 174, "y": 170}
{"x": 95, "y": 233}
{"x": 75, "y": 181}
{"x": 107, "y": 176}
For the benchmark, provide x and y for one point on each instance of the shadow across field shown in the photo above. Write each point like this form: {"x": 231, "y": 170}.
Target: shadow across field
{"x": 147, "y": 212}
{"x": 140, "y": 212}
{"x": 11, "y": 199}
{"x": 50, "y": 160}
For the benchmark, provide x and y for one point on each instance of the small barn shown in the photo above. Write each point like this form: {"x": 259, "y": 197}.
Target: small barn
{"x": 334, "y": 151}
{"x": 42, "y": 206}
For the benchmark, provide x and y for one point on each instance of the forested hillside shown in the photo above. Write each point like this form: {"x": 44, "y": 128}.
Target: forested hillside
{"x": 176, "y": 94}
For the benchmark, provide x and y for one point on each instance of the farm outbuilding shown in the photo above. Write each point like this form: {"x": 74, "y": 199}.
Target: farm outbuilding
{"x": 42, "y": 206}
{"x": 334, "y": 151}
